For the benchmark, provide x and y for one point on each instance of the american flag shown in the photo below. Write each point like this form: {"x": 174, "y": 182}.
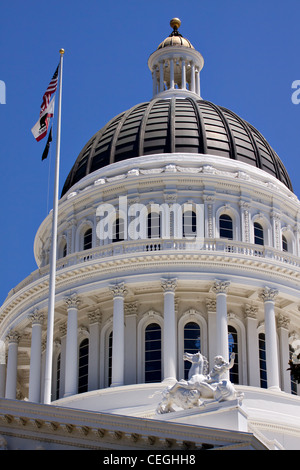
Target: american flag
{"x": 50, "y": 90}
{"x": 40, "y": 129}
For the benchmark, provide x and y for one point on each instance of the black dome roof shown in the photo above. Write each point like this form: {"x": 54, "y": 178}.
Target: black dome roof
{"x": 184, "y": 125}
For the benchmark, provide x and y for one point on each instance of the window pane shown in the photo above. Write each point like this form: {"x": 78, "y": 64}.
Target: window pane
{"x": 83, "y": 366}
{"x": 153, "y": 353}
{"x": 118, "y": 230}
{"x": 226, "y": 228}
{"x": 284, "y": 243}
{"x": 153, "y": 228}
{"x": 262, "y": 360}
{"x": 258, "y": 234}
{"x": 87, "y": 239}
{"x": 233, "y": 347}
{"x": 189, "y": 224}
{"x": 191, "y": 343}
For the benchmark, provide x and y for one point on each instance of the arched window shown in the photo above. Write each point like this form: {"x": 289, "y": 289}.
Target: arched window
{"x": 226, "y": 226}
{"x": 87, "y": 239}
{"x": 58, "y": 363}
{"x": 191, "y": 343}
{"x": 189, "y": 223}
{"x": 153, "y": 225}
{"x": 233, "y": 347}
{"x": 153, "y": 353}
{"x": 284, "y": 244}
{"x": 83, "y": 366}
{"x": 118, "y": 230}
{"x": 293, "y": 381}
{"x": 262, "y": 360}
{"x": 258, "y": 234}
{"x": 110, "y": 346}
{"x": 64, "y": 250}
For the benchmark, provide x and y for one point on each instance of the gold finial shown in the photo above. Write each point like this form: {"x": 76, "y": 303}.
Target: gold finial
{"x": 62, "y": 51}
{"x": 175, "y": 23}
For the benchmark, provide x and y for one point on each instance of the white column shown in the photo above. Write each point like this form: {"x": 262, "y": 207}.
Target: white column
{"x": 71, "y": 371}
{"x": 161, "y": 76}
{"x": 268, "y": 296}
{"x": 197, "y": 72}
{"x": 131, "y": 365}
{"x": 171, "y": 73}
{"x": 283, "y": 333}
{"x": 183, "y": 75}
{"x": 12, "y": 365}
{"x": 37, "y": 319}
{"x": 211, "y": 306}
{"x": 94, "y": 350}
{"x": 193, "y": 77}
{"x": 118, "y": 349}
{"x": 2, "y": 368}
{"x": 170, "y": 335}
{"x": 220, "y": 288}
{"x": 252, "y": 345}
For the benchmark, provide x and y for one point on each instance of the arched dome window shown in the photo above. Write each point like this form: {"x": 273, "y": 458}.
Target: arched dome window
{"x": 110, "y": 346}
{"x": 153, "y": 225}
{"x": 153, "y": 353}
{"x": 233, "y": 348}
{"x": 262, "y": 360}
{"x": 83, "y": 369}
{"x": 284, "y": 244}
{"x": 189, "y": 223}
{"x": 293, "y": 382}
{"x": 58, "y": 366}
{"x": 258, "y": 234}
{"x": 191, "y": 342}
{"x": 226, "y": 226}
{"x": 118, "y": 230}
{"x": 87, "y": 239}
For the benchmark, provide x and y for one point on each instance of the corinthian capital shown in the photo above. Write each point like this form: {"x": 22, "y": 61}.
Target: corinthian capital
{"x": 168, "y": 285}
{"x": 118, "y": 290}
{"x": 72, "y": 301}
{"x": 268, "y": 294}
{"x": 36, "y": 317}
{"x": 13, "y": 337}
{"x": 220, "y": 287}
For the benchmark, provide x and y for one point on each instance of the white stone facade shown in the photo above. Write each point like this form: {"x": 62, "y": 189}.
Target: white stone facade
{"x": 237, "y": 281}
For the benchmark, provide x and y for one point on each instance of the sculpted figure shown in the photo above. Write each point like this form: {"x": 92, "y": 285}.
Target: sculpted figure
{"x": 200, "y": 388}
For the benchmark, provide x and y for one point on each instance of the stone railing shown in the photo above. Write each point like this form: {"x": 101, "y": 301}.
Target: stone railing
{"x": 127, "y": 247}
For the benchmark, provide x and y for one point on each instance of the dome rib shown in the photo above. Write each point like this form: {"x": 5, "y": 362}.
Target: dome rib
{"x": 176, "y": 125}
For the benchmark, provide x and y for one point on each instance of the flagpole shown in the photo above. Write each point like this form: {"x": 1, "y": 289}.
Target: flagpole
{"x": 51, "y": 299}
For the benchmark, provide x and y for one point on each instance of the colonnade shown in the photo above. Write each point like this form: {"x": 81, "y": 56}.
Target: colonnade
{"x": 165, "y": 76}
{"x": 219, "y": 341}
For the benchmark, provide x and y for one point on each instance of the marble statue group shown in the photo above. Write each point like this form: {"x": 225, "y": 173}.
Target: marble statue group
{"x": 201, "y": 387}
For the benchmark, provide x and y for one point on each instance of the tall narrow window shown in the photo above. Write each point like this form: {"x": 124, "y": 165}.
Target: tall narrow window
{"x": 233, "y": 348}
{"x": 64, "y": 250}
{"x": 83, "y": 366}
{"x": 118, "y": 230}
{"x": 191, "y": 343}
{"x": 262, "y": 360}
{"x": 153, "y": 353}
{"x": 284, "y": 244}
{"x": 110, "y": 346}
{"x": 87, "y": 239}
{"x": 258, "y": 234}
{"x": 153, "y": 225}
{"x": 226, "y": 226}
{"x": 189, "y": 224}
{"x": 58, "y": 376}
{"x": 293, "y": 381}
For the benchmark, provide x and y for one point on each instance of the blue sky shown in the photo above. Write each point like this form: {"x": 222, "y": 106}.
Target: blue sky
{"x": 251, "y": 53}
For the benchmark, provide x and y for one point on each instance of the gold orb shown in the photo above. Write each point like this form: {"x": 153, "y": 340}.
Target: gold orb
{"x": 62, "y": 51}
{"x": 175, "y": 23}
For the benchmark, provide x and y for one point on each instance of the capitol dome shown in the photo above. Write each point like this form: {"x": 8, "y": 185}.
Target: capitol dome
{"x": 176, "y": 125}
{"x": 174, "y": 315}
